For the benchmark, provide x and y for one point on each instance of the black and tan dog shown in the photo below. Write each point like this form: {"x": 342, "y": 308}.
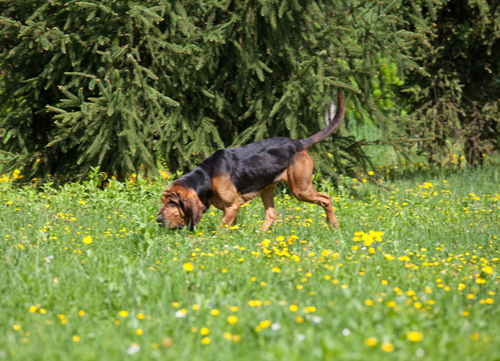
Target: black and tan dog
{"x": 231, "y": 177}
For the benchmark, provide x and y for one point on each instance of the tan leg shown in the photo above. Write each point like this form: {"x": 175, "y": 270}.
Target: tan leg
{"x": 300, "y": 183}
{"x": 267, "y": 197}
{"x": 226, "y": 199}
{"x": 230, "y": 214}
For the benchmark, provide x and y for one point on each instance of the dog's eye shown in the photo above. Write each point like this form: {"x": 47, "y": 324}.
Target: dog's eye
{"x": 172, "y": 204}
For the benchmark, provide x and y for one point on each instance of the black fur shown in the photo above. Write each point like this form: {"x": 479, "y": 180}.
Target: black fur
{"x": 254, "y": 166}
{"x": 251, "y": 167}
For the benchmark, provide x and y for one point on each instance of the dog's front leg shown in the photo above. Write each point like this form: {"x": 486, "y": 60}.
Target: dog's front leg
{"x": 230, "y": 214}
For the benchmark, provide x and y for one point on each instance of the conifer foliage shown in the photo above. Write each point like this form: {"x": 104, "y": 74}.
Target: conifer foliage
{"x": 123, "y": 84}
{"x": 459, "y": 104}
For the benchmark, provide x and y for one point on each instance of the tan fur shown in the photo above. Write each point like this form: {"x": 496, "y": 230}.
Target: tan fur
{"x": 298, "y": 177}
{"x": 180, "y": 205}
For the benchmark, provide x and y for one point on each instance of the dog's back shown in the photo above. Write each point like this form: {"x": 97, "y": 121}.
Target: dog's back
{"x": 254, "y": 166}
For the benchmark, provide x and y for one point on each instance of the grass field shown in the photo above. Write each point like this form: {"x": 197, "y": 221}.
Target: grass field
{"x": 412, "y": 274}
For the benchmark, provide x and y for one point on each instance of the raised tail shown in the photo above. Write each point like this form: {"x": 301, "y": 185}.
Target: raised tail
{"x": 331, "y": 127}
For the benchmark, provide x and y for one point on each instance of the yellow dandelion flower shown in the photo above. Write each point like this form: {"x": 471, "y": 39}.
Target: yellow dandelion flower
{"x": 188, "y": 266}
{"x": 204, "y": 331}
{"x": 275, "y": 269}
{"x": 76, "y": 338}
{"x": 123, "y": 313}
{"x": 293, "y": 308}
{"x": 138, "y": 332}
{"x": 33, "y": 309}
{"x": 214, "y": 312}
{"x": 205, "y": 340}
{"x": 87, "y": 240}
{"x": 232, "y": 319}
{"x": 387, "y": 347}
{"x": 488, "y": 270}
{"x": 371, "y": 341}
{"x": 414, "y": 336}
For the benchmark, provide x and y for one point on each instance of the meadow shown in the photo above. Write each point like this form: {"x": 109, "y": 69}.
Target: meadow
{"x": 411, "y": 274}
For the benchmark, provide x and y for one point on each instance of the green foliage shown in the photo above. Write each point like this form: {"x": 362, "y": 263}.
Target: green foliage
{"x": 125, "y": 84}
{"x": 459, "y": 104}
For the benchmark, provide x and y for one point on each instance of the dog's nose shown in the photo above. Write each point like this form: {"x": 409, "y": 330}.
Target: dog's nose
{"x": 159, "y": 219}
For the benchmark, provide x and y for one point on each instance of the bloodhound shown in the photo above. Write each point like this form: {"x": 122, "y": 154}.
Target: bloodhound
{"x": 231, "y": 177}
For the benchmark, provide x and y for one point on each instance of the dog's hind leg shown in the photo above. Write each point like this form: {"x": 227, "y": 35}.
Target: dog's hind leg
{"x": 267, "y": 197}
{"x": 300, "y": 182}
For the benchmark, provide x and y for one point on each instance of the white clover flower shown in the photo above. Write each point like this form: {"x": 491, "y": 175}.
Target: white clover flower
{"x": 180, "y": 314}
{"x": 316, "y": 320}
{"x": 133, "y": 349}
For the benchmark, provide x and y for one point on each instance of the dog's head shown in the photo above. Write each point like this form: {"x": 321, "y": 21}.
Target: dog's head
{"x": 181, "y": 207}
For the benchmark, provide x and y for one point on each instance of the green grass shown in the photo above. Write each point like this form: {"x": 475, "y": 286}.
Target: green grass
{"x": 318, "y": 296}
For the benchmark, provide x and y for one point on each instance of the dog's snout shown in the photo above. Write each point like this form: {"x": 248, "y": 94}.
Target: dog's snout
{"x": 159, "y": 219}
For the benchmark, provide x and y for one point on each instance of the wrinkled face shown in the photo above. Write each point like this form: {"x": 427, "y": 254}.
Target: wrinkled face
{"x": 172, "y": 214}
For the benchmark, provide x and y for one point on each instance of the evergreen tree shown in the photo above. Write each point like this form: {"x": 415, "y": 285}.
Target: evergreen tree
{"x": 459, "y": 104}
{"x": 123, "y": 84}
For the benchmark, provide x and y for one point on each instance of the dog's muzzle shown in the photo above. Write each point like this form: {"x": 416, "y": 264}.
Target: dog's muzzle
{"x": 160, "y": 220}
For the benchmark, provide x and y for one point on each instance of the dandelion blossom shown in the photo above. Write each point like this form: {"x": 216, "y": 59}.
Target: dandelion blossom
{"x": 387, "y": 347}
{"x": 371, "y": 341}
{"x": 414, "y": 336}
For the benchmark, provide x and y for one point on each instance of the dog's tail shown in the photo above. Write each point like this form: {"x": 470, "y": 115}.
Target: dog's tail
{"x": 331, "y": 127}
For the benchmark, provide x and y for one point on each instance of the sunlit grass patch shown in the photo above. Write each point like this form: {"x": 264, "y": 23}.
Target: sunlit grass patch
{"x": 412, "y": 273}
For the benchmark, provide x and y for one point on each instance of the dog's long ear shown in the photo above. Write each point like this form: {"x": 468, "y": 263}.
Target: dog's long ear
{"x": 193, "y": 208}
